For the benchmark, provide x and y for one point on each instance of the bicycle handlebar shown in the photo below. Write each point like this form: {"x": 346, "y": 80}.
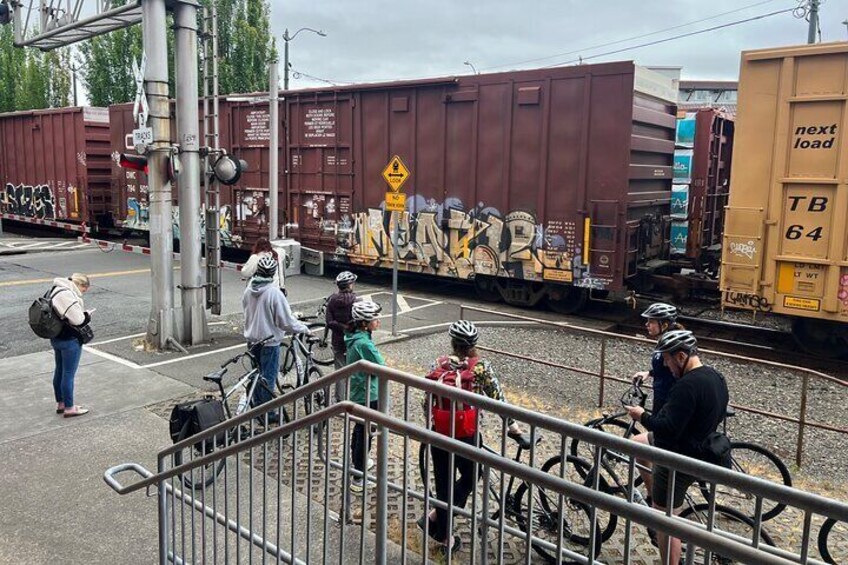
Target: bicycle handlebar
{"x": 634, "y": 396}
{"x": 250, "y": 347}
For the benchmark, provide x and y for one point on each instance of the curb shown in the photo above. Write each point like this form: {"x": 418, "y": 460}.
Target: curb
{"x": 140, "y": 250}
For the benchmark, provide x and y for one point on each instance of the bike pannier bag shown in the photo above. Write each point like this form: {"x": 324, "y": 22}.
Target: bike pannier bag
{"x": 43, "y": 320}
{"x": 715, "y": 449}
{"x": 191, "y": 418}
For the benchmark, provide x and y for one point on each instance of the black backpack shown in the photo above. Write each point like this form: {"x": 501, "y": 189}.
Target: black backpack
{"x": 43, "y": 319}
{"x": 191, "y": 418}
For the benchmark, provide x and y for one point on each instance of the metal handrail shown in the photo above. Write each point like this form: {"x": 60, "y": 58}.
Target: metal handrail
{"x": 808, "y": 502}
{"x": 801, "y": 420}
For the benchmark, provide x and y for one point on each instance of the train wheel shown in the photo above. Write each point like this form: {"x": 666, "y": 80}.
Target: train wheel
{"x": 487, "y": 288}
{"x": 822, "y": 338}
{"x": 567, "y": 299}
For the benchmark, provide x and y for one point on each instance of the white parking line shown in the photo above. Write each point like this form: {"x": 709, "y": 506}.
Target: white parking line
{"x": 195, "y": 356}
{"x": 111, "y": 357}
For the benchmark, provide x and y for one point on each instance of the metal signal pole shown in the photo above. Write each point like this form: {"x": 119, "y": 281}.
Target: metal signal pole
{"x": 194, "y": 329}
{"x": 274, "y": 157}
{"x": 160, "y": 325}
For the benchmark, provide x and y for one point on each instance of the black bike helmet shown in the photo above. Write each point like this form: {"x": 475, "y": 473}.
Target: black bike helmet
{"x": 464, "y": 331}
{"x": 677, "y": 340}
{"x": 267, "y": 267}
{"x": 661, "y": 311}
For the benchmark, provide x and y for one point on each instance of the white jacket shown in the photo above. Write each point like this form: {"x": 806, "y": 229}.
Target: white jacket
{"x": 249, "y": 268}
{"x": 67, "y": 301}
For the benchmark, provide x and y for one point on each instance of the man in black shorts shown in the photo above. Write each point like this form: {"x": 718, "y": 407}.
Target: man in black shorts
{"x": 695, "y": 407}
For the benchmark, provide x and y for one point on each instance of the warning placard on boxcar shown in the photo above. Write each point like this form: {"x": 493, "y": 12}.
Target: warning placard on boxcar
{"x": 319, "y": 127}
{"x": 808, "y": 304}
{"x": 395, "y": 173}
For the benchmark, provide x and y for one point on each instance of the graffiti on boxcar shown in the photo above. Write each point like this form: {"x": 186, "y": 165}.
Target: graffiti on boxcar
{"x": 31, "y": 201}
{"x": 448, "y": 240}
{"x": 745, "y": 300}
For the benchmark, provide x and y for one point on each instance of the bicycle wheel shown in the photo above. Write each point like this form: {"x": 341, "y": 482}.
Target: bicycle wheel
{"x": 286, "y": 358}
{"x": 757, "y": 461}
{"x": 317, "y": 400}
{"x": 322, "y": 352}
{"x": 575, "y": 521}
{"x": 727, "y": 520}
{"x": 613, "y": 463}
{"x": 833, "y": 535}
{"x": 205, "y": 475}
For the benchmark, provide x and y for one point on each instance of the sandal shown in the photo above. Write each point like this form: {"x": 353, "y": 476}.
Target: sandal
{"x": 60, "y": 410}
{"x": 77, "y": 411}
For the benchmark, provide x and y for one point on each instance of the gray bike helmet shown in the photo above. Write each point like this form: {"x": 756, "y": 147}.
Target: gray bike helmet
{"x": 661, "y": 311}
{"x": 464, "y": 332}
{"x": 345, "y": 278}
{"x": 365, "y": 310}
{"x": 677, "y": 340}
{"x": 267, "y": 267}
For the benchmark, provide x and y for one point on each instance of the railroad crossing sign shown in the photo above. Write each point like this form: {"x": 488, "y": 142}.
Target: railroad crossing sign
{"x": 140, "y": 108}
{"x": 395, "y": 174}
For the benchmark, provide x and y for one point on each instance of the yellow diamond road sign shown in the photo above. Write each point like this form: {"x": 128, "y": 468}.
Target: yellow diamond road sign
{"x": 396, "y": 173}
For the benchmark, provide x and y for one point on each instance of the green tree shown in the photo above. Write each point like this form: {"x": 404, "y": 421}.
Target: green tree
{"x": 32, "y": 79}
{"x": 106, "y": 64}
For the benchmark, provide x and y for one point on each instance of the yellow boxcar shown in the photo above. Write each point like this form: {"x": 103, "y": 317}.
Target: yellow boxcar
{"x": 784, "y": 247}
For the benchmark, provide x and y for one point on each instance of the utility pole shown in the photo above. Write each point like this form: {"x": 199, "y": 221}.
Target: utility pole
{"x": 274, "y": 142}
{"x": 192, "y": 302}
{"x": 814, "y": 21}
{"x": 286, "y": 40}
{"x": 160, "y": 325}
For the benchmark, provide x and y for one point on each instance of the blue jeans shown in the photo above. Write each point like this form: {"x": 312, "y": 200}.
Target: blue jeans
{"x": 67, "y": 353}
{"x": 269, "y": 366}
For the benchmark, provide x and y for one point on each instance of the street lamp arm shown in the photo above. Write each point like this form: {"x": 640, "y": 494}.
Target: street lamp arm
{"x": 287, "y": 37}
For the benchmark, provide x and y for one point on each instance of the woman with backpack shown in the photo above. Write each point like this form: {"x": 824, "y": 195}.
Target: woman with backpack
{"x": 463, "y": 369}
{"x": 66, "y": 300}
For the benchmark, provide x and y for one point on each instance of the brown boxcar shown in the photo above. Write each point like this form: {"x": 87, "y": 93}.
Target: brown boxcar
{"x": 785, "y": 248}
{"x": 544, "y": 176}
{"x": 55, "y": 166}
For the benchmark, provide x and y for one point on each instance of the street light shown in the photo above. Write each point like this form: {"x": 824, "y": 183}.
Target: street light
{"x": 472, "y": 67}
{"x": 287, "y": 38}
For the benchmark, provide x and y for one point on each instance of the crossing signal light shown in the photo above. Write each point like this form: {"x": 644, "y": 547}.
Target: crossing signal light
{"x": 133, "y": 162}
{"x": 5, "y": 13}
{"x": 228, "y": 169}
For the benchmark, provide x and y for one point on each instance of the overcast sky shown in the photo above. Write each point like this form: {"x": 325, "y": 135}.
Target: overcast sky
{"x": 376, "y": 40}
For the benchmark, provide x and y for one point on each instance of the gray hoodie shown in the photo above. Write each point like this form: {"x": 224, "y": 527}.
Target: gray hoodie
{"x": 267, "y": 312}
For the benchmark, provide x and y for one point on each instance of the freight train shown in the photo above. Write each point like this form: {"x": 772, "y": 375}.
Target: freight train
{"x": 558, "y": 185}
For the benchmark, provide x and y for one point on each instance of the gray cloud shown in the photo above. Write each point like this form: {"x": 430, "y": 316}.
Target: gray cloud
{"x": 376, "y": 40}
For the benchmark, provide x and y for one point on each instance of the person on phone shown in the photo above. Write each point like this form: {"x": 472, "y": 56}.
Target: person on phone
{"x": 67, "y": 302}
{"x": 695, "y": 408}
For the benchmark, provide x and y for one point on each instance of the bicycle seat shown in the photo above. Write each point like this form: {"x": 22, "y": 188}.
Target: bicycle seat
{"x": 215, "y": 377}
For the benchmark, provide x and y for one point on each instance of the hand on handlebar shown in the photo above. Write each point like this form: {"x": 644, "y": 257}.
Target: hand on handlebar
{"x": 640, "y": 377}
{"x": 523, "y": 439}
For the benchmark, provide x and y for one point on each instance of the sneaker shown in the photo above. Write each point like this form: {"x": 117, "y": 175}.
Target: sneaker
{"x": 371, "y": 463}
{"x": 357, "y": 485}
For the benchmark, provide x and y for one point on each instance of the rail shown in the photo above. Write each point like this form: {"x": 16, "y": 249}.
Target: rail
{"x": 800, "y": 420}
{"x": 194, "y": 537}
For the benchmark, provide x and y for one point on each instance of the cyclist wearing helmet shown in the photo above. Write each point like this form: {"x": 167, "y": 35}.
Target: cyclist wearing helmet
{"x": 475, "y": 375}
{"x": 659, "y": 318}
{"x": 695, "y": 407}
{"x": 363, "y": 387}
{"x": 267, "y": 312}
{"x": 338, "y": 318}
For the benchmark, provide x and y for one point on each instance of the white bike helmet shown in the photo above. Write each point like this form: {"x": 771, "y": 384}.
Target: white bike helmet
{"x": 661, "y": 311}
{"x": 464, "y": 332}
{"x": 267, "y": 267}
{"x": 345, "y": 278}
{"x": 365, "y": 311}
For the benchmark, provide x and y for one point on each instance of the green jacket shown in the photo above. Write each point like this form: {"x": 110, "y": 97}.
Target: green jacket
{"x": 359, "y": 346}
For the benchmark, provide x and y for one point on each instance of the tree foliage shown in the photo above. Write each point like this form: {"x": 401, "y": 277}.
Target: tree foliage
{"x": 245, "y": 47}
{"x": 31, "y": 79}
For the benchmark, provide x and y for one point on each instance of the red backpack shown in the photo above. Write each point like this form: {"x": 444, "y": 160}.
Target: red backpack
{"x": 465, "y": 416}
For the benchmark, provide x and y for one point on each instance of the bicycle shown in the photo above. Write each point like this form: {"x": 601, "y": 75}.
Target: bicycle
{"x": 614, "y": 481}
{"x": 748, "y": 458}
{"x": 248, "y": 383}
{"x": 301, "y": 348}
{"x": 323, "y": 354}
{"x": 514, "y": 506}
{"x": 831, "y": 533}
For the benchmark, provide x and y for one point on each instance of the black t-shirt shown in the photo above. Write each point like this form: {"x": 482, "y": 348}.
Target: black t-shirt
{"x": 696, "y": 405}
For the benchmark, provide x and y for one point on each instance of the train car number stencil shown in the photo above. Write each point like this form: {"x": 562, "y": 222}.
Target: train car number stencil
{"x": 746, "y": 300}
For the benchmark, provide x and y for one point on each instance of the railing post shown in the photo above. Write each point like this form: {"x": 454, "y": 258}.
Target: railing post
{"x": 163, "y": 515}
{"x": 382, "y": 474}
{"x": 802, "y": 419}
{"x": 602, "y": 380}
